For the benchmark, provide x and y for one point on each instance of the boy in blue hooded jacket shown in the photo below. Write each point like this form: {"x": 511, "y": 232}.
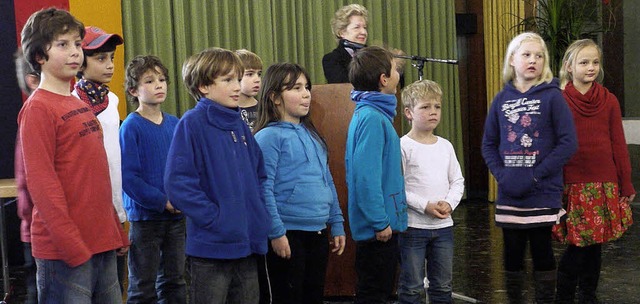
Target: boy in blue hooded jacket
{"x": 377, "y": 205}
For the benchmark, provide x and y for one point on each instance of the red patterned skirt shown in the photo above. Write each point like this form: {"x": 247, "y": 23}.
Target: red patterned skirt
{"x": 595, "y": 214}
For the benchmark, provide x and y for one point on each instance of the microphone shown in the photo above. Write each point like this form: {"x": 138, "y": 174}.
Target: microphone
{"x": 352, "y": 45}
{"x": 425, "y": 59}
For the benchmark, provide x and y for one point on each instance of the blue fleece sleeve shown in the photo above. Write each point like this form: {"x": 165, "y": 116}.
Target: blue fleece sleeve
{"x": 336, "y": 220}
{"x": 367, "y": 171}
{"x": 182, "y": 180}
{"x": 133, "y": 184}
{"x": 491, "y": 141}
{"x": 269, "y": 143}
{"x": 565, "y": 139}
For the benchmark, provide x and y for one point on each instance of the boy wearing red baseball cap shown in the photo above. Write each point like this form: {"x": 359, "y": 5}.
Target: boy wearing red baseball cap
{"x": 96, "y": 72}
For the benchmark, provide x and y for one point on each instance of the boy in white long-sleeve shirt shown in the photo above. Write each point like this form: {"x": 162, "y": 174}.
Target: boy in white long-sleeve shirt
{"x": 434, "y": 187}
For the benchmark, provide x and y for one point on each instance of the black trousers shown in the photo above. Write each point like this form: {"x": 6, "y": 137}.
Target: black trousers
{"x": 515, "y": 245}
{"x": 376, "y": 267}
{"x": 579, "y": 266}
{"x": 300, "y": 279}
{"x": 578, "y": 260}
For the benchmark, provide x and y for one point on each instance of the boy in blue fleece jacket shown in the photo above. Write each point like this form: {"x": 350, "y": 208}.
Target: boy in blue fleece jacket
{"x": 213, "y": 175}
{"x": 377, "y": 205}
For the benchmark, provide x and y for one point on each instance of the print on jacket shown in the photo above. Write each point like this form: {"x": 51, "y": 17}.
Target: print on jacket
{"x": 522, "y": 131}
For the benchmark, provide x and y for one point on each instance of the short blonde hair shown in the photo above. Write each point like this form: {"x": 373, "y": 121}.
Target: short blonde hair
{"x": 569, "y": 59}
{"x": 203, "y": 68}
{"x": 249, "y": 59}
{"x": 420, "y": 90}
{"x": 508, "y": 72}
{"x": 340, "y": 19}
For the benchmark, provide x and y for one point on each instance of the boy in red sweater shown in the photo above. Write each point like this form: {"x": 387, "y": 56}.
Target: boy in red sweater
{"x": 75, "y": 233}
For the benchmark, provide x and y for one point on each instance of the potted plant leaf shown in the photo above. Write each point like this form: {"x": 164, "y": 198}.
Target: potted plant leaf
{"x": 560, "y": 22}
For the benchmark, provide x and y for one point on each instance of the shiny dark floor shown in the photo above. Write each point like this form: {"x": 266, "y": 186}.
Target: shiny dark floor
{"x": 478, "y": 268}
{"x": 478, "y": 272}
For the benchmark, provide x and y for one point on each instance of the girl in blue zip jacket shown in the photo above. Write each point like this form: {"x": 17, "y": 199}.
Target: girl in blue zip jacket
{"x": 299, "y": 191}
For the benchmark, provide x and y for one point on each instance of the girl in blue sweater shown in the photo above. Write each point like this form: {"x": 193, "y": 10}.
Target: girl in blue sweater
{"x": 299, "y": 190}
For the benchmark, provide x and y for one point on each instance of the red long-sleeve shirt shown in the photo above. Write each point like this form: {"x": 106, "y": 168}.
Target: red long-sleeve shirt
{"x": 68, "y": 178}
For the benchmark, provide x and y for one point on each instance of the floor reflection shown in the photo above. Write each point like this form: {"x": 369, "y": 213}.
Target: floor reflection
{"x": 478, "y": 271}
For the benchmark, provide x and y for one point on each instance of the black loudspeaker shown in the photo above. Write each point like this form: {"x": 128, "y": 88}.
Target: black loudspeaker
{"x": 466, "y": 24}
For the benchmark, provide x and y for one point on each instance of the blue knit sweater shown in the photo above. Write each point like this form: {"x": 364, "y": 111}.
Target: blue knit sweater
{"x": 144, "y": 147}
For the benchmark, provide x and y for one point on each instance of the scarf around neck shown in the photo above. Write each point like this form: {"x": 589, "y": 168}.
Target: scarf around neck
{"x": 591, "y": 103}
{"x": 94, "y": 94}
{"x": 385, "y": 103}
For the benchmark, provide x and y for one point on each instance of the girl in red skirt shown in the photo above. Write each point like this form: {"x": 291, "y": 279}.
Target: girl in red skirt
{"x": 598, "y": 186}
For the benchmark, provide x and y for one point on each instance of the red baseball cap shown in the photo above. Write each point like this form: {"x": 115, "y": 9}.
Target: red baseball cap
{"x": 95, "y": 37}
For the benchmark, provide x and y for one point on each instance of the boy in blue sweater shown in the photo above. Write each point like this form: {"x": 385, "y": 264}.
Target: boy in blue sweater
{"x": 156, "y": 258}
{"x": 377, "y": 205}
{"x": 213, "y": 175}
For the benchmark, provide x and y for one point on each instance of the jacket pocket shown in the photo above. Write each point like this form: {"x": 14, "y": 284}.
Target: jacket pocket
{"x": 517, "y": 182}
{"x": 309, "y": 199}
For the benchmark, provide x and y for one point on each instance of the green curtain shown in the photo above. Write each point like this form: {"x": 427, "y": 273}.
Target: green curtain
{"x": 296, "y": 31}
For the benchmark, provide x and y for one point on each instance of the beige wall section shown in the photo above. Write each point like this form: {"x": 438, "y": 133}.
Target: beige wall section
{"x": 107, "y": 15}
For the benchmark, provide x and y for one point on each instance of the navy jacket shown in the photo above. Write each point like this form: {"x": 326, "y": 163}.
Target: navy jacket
{"x": 528, "y": 137}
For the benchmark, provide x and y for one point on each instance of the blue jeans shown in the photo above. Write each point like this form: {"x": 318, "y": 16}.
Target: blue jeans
{"x": 436, "y": 246}
{"x": 30, "y": 275}
{"x": 223, "y": 281}
{"x": 95, "y": 281}
{"x": 156, "y": 262}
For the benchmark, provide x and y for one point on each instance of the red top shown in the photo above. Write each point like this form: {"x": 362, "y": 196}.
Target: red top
{"x": 25, "y": 206}
{"x": 68, "y": 178}
{"x": 602, "y": 154}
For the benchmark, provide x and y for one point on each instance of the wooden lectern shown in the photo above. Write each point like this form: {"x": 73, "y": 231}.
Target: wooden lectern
{"x": 331, "y": 110}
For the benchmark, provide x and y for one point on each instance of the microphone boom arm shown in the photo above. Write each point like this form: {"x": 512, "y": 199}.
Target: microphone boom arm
{"x": 418, "y": 62}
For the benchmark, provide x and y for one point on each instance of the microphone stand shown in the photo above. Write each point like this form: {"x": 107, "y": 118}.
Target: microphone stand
{"x": 418, "y": 62}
